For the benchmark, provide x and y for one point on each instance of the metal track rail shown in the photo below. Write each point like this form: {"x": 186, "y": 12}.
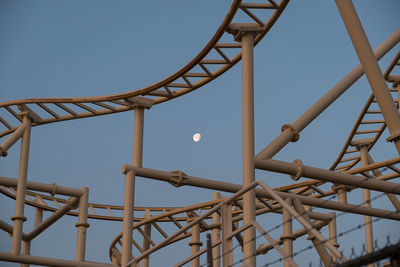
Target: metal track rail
{"x": 214, "y": 59}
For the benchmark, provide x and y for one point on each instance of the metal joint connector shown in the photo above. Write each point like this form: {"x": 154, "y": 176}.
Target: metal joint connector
{"x": 335, "y": 188}
{"x": 84, "y": 224}
{"x": 393, "y": 137}
{"x": 238, "y": 30}
{"x": 53, "y": 189}
{"x": 288, "y": 236}
{"x": 140, "y": 102}
{"x": 72, "y": 203}
{"x": 18, "y": 217}
{"x": 127, "y": 168}
{"x": 179, "y": 176}
{"x": 295, "y": 132}
{"x": 29, "y": 113}
{"x": 299, "y": 172}
{"x": 196, "y": 243}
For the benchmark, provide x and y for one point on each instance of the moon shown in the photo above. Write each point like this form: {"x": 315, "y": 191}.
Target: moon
{"x": 196, "y": 137}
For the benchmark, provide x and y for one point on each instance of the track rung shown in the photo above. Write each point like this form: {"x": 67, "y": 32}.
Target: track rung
{"x": 258, "y": 6}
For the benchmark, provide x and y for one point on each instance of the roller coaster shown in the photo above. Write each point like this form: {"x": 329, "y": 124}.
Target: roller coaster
{"x": 231, "y": 219}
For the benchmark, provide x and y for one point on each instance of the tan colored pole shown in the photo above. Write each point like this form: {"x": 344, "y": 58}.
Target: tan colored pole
{"x": 12, "y": 139}
{"x": 329, "y": 176}
{"x": 195, "y": 244}
{"x": 371, "y": 68}
{"x": 42, "y": 187}
{"x": 342, "y": 196}
{"x": 27, "y": 244}
{"x": 307, "y": 117}
{"x": 397, "y": 87}
{"x": 377, "y": 173}
{"x": 167, "y": 240}
{"x": 19, "y": 217}
{"x": 233, "y": 188}
{"x": 299, "y": 233}
{"x": 287, "y": 236}
{"x": 227, "y": 255}
{"x": 26, "y": 250}
{"x": 45, "y": 261}
{"x": 304, "y": 220}
{"x": 146, "y": 243}
{"x": 129, "y": 198}
{"x": 216, "y": 233}
{"x": 82, "y": 225}
{"x": 333, "y": 234}
{"x": 249, "y": 215}
{"x": 70, "y": 204}
{"x": 319, "y": 246}
{"x": 369, "y": 239}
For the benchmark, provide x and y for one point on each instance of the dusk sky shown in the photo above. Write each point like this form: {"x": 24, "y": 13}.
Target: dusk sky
{"x": 99, "y": 47}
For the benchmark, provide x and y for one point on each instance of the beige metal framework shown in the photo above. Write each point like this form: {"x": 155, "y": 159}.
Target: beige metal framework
{"x": 231, "y": 217}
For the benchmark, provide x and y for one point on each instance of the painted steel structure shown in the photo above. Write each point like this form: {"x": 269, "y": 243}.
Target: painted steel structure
{"x": 226, "y": 218}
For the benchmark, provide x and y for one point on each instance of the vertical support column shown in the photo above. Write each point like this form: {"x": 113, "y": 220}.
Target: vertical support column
{"x": 396, "y": 86}
{"x": 333, "y": 234}
{"x": 342, "y": 196}
{"x": 369, "y": 239}
{"x": 19, "y": 217}
{"x": 287, "y": 236}
{"x": 26, "y": 249}
{"x": 371, "y": 68}
{"x": 216, "y": 235}
{"x": 195, "y": 243}
{"x": 82, "y": 225}
{"x": 226, "y": 225}
{"x": 129, "y": 198}
{"x": 146, "y": 243}
{"x": 249, "y": 215}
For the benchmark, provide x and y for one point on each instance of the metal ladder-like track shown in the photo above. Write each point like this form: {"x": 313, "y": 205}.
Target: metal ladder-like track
{"x": 215, "y": 58}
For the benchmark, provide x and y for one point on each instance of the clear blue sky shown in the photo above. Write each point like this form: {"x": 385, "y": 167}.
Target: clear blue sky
{"x": 87, "y": 48}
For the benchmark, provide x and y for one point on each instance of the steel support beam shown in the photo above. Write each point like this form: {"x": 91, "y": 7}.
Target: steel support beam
{"x": 369, "y": 239}
{"x": 227, "y": 254}
{"x": 371, "y": 68}
{"x": 377, "y": 173}
{"x": 27, "y": 244}
{"x": 249, "y": 210}
{"x": 130, "y": 187}
{"x": 82, "y": 225}
{"x": 287, "y": 236}
{"x": 71, "y": 204}
{"x": 146, "y": 242}
{"x": 233, "y": 188}
{"x": 318, "y": 107}
{"x": 318, "y": 243}
{"x": 44, "y": 261}
{"x": 304, "y": 220}
{"x": 19, "y": 217}
{"x": 333, "y": 234}
{"x": 195, "y": 244}
{"x": 42, "y": 187}
{"x": 327, "y": 176}
{"x": 216, "y": 233}
{"x": 12, "y": 139}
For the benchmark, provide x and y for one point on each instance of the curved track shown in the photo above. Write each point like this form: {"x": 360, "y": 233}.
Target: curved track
{"x": 221, "y": 56}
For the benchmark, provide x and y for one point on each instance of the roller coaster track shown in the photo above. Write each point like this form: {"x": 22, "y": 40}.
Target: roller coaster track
{"x": 212, "y": 61}
{"x": 368, "y": 127}
{"x": 162, "y": 218}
